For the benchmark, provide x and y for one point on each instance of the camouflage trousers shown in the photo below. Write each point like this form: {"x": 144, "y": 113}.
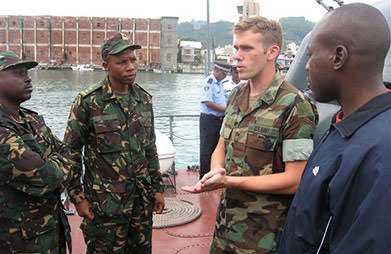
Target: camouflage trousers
{"x": 249, "y": 227}
{"x": 108, "y": 235}
{"x": 51, "y": 242}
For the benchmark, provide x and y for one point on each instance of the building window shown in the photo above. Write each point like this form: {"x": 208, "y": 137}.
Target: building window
{"x": 13, "y": 36}
{"x": 70, "y": 23}
{"x": 154, "y": 38}
{"x": 98, "y": 37}
{"x": 84, "y": 36}
{"x": 42, "y": 23}
{"x": 55, "y": 36}
{"x": 42, "y": 36}
{"x": 168, "y": 57}
{"x": 169, "y": 26}
{"x": 56, "y": 54}
{"x": 98, "y": 24}
{"x": 70, "y": 53}
{"x": 14, "y": 23}
{"x": 70, "y": 37}
{"x": 140, "y": 56}
{"x": 84, "y": 55}
{"x": 127, "y": 25}
{"x": 154, "y": 57}
{"x": 140, "y": 38}
{"x": 169, "y": 39}
{"x": 28, "y": 54}
{"x": 42, "y": 53}
{"x": 28, "y": 36}
{"x": 155, "y": 26}
{"x": 98, "y": 55}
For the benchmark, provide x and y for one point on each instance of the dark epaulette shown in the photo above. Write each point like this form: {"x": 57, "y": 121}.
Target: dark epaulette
{"x": 224, "y": 81}
{"x": 29, "y": 111}
{"x": 142, "y": 89}
{"x": 210, "y": 81}
{"x": 91, "y": 89}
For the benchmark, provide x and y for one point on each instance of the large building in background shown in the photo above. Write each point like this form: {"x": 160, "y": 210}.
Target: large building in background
{"x": 66, "y": 41}
{"x": 250, "y": 8}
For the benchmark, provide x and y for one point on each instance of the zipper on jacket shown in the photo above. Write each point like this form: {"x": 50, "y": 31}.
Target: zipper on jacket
{"x": 324, "y": 235}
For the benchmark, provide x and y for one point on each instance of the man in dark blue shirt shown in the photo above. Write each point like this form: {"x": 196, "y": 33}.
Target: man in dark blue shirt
{"x": 343, "y": 202}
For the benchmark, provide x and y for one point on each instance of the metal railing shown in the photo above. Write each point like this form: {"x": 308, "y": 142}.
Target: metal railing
{"x": 171, "y": 120}
{"x": 171, "y": 173}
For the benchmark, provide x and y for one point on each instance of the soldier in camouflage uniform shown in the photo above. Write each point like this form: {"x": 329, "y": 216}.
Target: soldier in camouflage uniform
{"x": 265, "y": 141}
{"x": 122, "y": 185}
{"x": 33, "y": 171}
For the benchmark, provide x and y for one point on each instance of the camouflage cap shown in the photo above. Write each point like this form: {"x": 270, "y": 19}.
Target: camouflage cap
{"x": 116, "y": 44}
{"x": 9, "y": 59}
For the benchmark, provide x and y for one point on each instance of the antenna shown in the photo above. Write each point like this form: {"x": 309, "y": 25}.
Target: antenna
{"x": 339, "y": 2}
{"x": 327, "y": 7}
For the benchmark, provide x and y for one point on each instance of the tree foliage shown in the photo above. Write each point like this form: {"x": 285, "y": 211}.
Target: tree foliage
{"x": 294, "y": 29}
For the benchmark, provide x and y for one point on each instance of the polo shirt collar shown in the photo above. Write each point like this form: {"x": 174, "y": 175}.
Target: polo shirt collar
{"x": 349, "y": 125}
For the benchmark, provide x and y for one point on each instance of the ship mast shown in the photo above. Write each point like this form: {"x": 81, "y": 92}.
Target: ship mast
{"x": 207, "y": 70}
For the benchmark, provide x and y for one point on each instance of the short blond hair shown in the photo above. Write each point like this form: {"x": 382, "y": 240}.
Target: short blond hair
{"x": 270, "y": 29}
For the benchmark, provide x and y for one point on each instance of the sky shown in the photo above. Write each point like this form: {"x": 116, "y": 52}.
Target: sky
{"x": 185, "y": 10}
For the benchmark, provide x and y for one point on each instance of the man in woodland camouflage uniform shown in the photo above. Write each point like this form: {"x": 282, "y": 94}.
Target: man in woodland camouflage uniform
{"x": 122, "y": 185}
{"x": 33, "y": 171}
{"x": 265, "y": 141}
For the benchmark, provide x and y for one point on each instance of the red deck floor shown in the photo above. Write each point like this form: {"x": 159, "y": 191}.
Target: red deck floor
{"x": 192, "y": 238}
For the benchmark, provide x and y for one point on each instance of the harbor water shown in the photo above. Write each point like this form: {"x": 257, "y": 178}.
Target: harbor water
{"x": 173, "y": 94}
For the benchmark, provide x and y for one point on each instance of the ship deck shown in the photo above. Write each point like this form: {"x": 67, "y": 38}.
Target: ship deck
{"x": 191, "y": 238}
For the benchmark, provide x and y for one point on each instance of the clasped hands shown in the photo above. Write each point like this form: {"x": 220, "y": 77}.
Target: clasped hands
{"x": 213, "y": 180}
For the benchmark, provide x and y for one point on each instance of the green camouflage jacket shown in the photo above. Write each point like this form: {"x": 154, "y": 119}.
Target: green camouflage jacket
{"x": 277, "y": 128}
{"x": 33, "y": 173}
{"x": 120, "y": 156}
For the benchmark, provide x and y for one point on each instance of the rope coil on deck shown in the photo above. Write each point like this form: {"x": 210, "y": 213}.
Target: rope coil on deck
{"x": 176, "y": 212}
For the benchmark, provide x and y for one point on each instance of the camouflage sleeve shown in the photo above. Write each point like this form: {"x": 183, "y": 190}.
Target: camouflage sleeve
{"x": 27, "y": 171}
{"x": 75, "y": 138}
{"x": 153, "y": 159}
{"x": 299, "y": 129}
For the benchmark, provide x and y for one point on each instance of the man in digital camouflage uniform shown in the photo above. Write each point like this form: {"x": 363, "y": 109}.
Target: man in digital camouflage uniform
{"x": 122, "y": 185}
{"x": 265, "y": 141}
{"x": 33, "y": 171}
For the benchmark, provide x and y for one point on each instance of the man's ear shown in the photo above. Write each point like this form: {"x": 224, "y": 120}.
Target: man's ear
{"x": 105, "y": 65}
{"x": 273, "y": 52}
{"x": 340, "y": 57}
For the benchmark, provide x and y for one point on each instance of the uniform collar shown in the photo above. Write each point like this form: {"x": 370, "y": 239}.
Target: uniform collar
{"x": 349, "y": 125}
{"x": 4, "y": 113}
{"x": 108, "y": 92}
{"x": 268, "y": 96}
{"x": 271, "y": 90}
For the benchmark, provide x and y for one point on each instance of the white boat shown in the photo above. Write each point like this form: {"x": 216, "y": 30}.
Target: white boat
{"x": 82, "y": 67}
{"x": 166, "y": 151}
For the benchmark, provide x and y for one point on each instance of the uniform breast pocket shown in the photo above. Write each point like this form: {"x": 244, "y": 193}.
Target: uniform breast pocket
{"x": 260, "y": 144}
{"x": 107, "y": 136}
